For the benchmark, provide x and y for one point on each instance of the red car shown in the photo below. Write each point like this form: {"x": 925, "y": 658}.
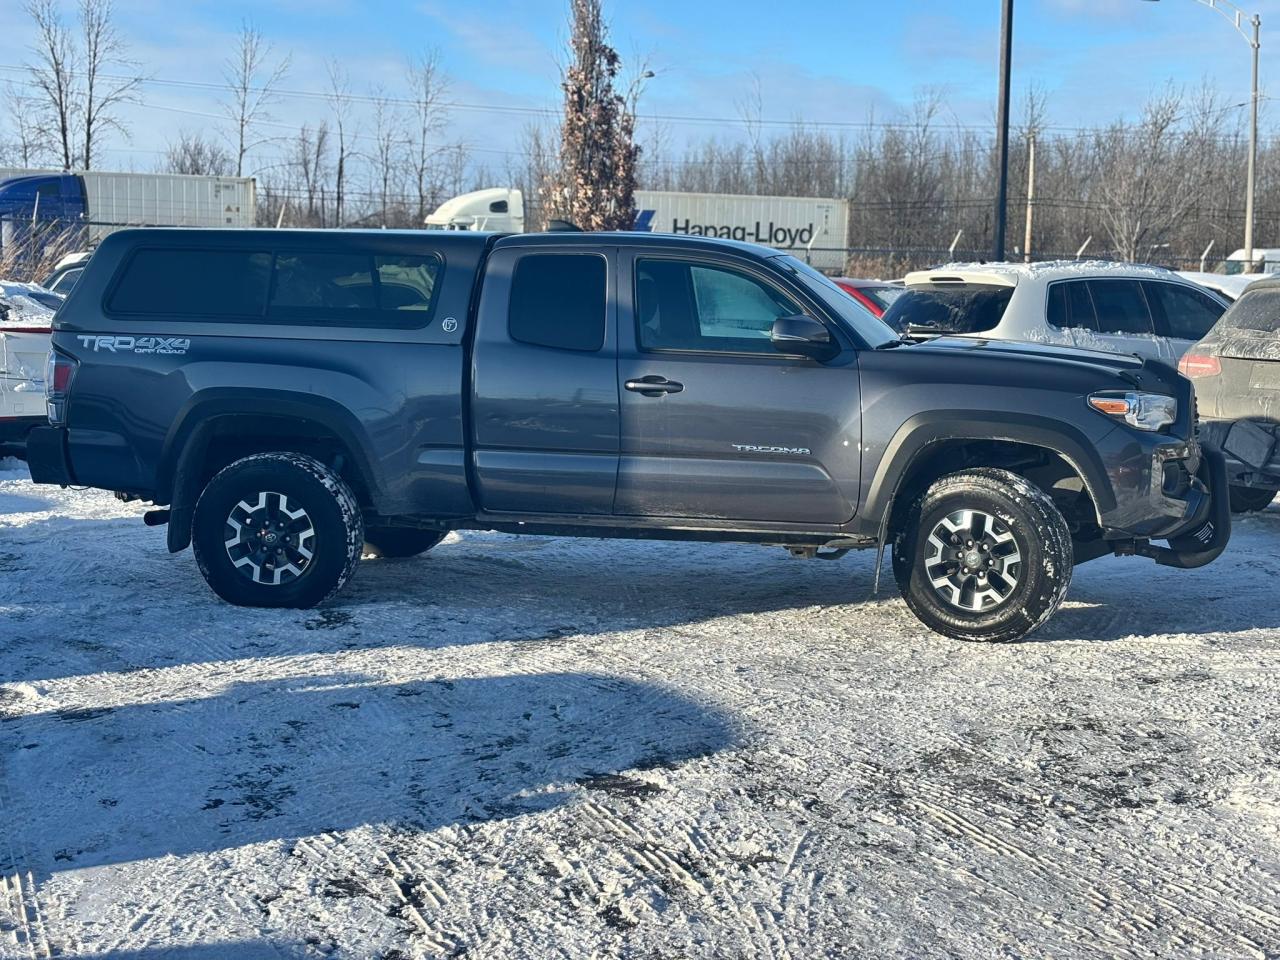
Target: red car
{"x": 875, "y": 295}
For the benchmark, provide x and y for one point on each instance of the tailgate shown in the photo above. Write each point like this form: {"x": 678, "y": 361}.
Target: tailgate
{"x": 23, "y": 355}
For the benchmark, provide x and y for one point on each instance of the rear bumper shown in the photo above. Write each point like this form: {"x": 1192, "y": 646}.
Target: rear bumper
{"x": 47, "y": 456}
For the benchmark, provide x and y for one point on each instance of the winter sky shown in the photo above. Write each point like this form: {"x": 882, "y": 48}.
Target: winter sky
{"x": 822, "y": 61}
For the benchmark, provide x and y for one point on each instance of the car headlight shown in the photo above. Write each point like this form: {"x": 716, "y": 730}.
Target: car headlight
{"x": 1146, "y": 411}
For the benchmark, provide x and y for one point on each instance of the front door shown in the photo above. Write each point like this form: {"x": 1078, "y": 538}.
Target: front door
{"x": 544, "y": 389}
{"x": 715, "y": 422}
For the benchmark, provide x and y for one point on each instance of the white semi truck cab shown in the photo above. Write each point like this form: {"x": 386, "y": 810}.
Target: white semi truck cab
{"x": 497, "y": 209}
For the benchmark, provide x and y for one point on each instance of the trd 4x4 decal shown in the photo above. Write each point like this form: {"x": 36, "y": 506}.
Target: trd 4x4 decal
{"x": 161, "y": 345}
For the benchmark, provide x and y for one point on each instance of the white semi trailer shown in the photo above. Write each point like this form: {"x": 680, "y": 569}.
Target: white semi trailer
{"x": 811, "y": 228}
{"x": 99, "y": 202}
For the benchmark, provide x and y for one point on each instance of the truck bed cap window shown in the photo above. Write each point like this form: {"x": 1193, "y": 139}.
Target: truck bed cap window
{"x": 354, "y": 288}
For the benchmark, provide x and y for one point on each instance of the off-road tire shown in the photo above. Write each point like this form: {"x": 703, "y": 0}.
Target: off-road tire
{"x": 1250, "y": 499}
{"x": 1038, "y": 530}
{"x": 329, "y": 505}
{"x": 394, "y": 543}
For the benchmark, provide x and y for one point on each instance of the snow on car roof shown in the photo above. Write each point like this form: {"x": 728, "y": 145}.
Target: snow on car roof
{"x": 1010, "y": 273}
{"x": 19, "y": 309}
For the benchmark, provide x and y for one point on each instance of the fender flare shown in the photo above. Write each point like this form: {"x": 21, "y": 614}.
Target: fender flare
{"x": 913, "y": 439}
{"x": 187, "y": 439}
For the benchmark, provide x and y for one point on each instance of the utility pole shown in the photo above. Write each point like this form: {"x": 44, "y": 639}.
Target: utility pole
{"x": 1002, "y": 129}
{"x": 1235, "y": 16}
{"x": 1031, "y": 195}
{"x": 1251, "y": 180}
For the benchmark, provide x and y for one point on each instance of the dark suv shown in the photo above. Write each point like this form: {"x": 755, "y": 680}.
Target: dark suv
{"x": 285, "y": 396}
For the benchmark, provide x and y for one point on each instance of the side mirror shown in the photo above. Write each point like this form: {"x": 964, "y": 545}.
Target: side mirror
{"x": 805, "y": 336}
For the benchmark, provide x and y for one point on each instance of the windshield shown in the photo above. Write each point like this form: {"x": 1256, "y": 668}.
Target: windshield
{"x": 950, "y": 308}
{"x": 859, "y": 318}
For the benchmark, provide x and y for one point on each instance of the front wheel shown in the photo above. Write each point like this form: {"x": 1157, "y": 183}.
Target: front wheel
{"x": 1250, "y": 499}
{"x": 277, "y": 530}
{"x": 983, "y": 555}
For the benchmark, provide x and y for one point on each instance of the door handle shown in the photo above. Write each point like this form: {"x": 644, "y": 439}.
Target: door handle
{"x": 653, "y": 386}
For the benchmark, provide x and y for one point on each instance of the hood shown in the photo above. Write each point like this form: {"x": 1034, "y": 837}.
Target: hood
{"x": 1139, "y": 371}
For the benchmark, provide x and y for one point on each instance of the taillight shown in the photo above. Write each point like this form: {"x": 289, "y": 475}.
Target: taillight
{"x": 1195, "y": 365}
{"x": 60, "y": 370}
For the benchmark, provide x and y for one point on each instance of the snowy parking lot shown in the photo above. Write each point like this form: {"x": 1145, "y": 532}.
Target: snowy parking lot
{"x": 540, "y": 748}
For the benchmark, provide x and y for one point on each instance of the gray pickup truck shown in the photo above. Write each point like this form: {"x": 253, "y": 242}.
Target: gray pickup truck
{"x": 286, "y": 397}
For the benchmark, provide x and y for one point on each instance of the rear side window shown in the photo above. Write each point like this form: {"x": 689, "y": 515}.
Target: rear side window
{"x": 558, "y": 300}
{"x": 312, "y": 287}
{"x": 209, "y": 283}
{"x": 949, "y": 308}
{"x": 1257, "y": 311}
{"x": 1070, "y": 306}
{"x": 1121, "y": 307}
{"x": 1181, "y": 312}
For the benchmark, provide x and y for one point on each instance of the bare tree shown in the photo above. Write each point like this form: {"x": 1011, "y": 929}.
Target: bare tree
{"x": 193, "y": 153}
{"x": 310, "y": 161}
{"x": 103, "y": 92}
{"x": 253, "y": 81}
{"x": 31, "y": 145}
{"x": 428, "y": 86}
{"x": 53, "y": 74}
{"x": 533, "y": 172}
{"x": 340, "y": 105}
{"x": 594, "y": 185}
{"x": 388, "y": 138}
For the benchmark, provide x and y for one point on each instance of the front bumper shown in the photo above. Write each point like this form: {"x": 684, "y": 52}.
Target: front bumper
{"x": 1201, "y": 539}
{"x": 1165, "y": 488}
{"x": 47, "y": 456}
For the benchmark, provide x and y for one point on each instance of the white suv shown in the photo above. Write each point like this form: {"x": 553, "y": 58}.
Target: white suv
{"x": 26, "y": 313}
{"x": 1117, "y": 307}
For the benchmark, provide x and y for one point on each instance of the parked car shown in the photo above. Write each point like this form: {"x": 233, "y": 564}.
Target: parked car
{"x": 259, "y": 389}
{"x": 1227, "y": 286}
{"x": 67, "y": 272}
{"x": 26, "y": 311}
{"x": 875, "y": 295}
{"x": 1236, "y": 371}
{"x": 1121, "y": 308}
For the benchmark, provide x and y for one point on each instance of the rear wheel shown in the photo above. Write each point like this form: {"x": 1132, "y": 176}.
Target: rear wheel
{"x": 1250, "y": 499}
{"x": 983, "y": 555}
{"x": 397, "y": 542}
{"x": 277, "y": 530}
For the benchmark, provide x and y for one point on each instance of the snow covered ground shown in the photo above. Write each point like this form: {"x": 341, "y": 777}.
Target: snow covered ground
{"x": 554, "y": 748}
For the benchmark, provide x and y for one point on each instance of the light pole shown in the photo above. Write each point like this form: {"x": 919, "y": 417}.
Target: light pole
{"x": 1002, "y": 129}
{"x": 1237, "y": 18}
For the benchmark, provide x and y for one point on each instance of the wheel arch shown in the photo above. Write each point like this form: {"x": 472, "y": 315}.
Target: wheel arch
{"x": 217, "y": 427}
{"x": 929, "y": 446}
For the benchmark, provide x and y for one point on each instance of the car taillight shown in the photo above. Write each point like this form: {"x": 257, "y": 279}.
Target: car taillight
{"x": 1194, "y": 365}
{"x": 60, "y": 370}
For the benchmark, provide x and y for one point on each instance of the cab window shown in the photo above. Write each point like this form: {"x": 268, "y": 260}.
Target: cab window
{"x": 685, "y": 305}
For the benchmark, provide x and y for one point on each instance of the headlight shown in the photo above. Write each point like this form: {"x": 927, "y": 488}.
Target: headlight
{"x": 1146, "y": 411}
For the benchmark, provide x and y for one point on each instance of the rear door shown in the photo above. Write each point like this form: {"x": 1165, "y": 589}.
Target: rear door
{"x": 1124, "y": 322}
{"x": 544, "y": 388}
{"x": 715, "y": 422}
